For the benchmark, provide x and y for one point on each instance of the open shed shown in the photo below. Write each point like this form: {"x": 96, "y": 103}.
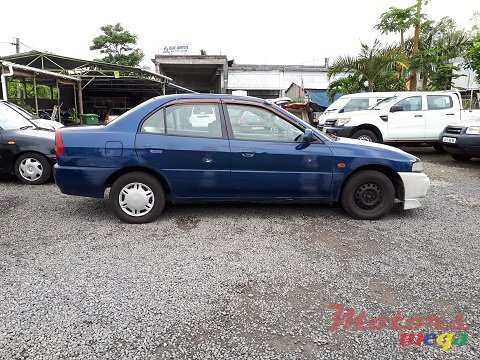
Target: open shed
{"x": 84, "y": 85}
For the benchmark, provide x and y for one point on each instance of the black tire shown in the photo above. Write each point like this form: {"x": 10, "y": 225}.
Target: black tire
{"x": 33, "y": 168}
{"x": 149, "y": 198}
{"x": 439, "y": 148}
{"x": 461, "y": 158}
{"x": 365, "y": 135}
{"x": 368, "y": 195}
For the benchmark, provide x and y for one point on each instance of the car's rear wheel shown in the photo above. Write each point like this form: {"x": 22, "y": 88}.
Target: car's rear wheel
{"x": 368, "y": 195}
{"x": 137, "y": 198}
{"x": 365, "y": 135}
{"x": 461, "y": 158}
{"x": 33, "y": 168}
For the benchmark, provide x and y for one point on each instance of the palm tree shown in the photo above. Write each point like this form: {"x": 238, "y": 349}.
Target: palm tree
{"x": 371, "y": 62}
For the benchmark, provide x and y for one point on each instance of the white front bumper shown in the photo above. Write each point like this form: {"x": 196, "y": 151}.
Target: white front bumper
{"x": 416, "y": 186}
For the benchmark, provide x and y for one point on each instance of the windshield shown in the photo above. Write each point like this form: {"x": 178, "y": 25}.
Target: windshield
{"x": 337, "y": 105}
{"x": 22, "y": 112}
{"x": 11, "y": 119}
{"x": 383, "y": 103}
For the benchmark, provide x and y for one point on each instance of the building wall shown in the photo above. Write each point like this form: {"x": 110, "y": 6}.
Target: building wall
{"x": 275, "y": 80}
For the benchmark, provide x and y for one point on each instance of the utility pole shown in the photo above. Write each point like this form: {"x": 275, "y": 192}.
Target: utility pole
{"x": 17, "y": 45}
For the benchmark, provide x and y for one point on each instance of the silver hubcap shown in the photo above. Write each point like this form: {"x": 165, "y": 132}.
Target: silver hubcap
{"x": 136, "y": 199}
{"x": 30, "y": 169}
{"x": 365, "y": 138}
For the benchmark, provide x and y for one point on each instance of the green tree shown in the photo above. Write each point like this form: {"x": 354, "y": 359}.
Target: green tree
{"x": 440, "y": 42}
{"x": 117, "y": 44}
{"x": 472, "y": 56}
{"x": 350, "y": 84}
{"x": 397, "y": 21}
{"x": 372, "y": 62}
{"x": 442, "y": 78}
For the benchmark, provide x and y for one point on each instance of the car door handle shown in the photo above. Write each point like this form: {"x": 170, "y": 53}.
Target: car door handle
{"x": 154, "y": 149}
{"x": 450, "y": 114}
{"x": 246, "y": 153}
{"x": 418, "y": 115}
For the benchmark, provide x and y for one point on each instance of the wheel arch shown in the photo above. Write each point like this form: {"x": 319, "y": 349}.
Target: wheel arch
{"x": 160, "y": 177}
{"x": 385, "y": 170}
{"x": 371, "y": 128}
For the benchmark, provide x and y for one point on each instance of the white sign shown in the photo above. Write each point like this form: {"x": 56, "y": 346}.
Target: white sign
{"x": 175, "y": 50}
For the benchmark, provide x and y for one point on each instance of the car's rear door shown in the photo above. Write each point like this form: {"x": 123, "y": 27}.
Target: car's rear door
{"x": 441, "y": 110}
{"x": 195, "y": 160}
{"x": 269, "y": 159}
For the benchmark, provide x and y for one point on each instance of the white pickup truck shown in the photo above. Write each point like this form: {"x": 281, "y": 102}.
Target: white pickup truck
{"x": 406, "y": 117}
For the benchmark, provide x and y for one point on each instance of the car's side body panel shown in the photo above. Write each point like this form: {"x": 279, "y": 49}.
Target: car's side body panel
{"x": 223, "y": 168}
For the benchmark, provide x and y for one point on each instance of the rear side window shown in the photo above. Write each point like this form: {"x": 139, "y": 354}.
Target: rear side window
{"x": 196, "y": 120}
{"x": 155, "y": 123}
{"x": 439, "y": 102}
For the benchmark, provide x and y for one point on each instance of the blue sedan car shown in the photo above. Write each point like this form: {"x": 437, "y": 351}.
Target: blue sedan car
{"x": 163, "y": 150}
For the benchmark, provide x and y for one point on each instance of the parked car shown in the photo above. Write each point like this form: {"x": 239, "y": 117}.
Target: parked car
{"x": 26, "y": 150}
{"x": 462, "y": 140}
{"x": 40, "y": 122}
{"x": 152, "y": 154}
{"x": 203, "y": 115}
{"x": 407, "y": 117}
{"x": 351, "y": 102}
{"x": 113, "y": 113}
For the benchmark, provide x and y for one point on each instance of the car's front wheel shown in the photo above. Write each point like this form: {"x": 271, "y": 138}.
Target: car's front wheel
{"x": 368, "y": 195}
{"x": 365, "y": 135}
{"x": 137, "y": 198}
{"x": 33, "y": 168}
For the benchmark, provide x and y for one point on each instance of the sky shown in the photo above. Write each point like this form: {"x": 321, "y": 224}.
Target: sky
{"x": 247, "y": 31}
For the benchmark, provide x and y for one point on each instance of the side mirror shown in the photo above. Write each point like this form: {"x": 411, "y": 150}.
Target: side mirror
{"x": 308, "y": 135}
{"x": 396, "y": 108}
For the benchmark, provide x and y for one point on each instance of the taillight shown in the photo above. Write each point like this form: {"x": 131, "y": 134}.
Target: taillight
{"x": 59, "y": 149}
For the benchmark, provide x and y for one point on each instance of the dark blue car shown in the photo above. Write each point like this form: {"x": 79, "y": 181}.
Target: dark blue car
{"x": 160, "y": 151}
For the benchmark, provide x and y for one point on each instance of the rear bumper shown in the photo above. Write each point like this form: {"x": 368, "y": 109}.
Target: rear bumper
{"x": 416, "y": 186}
{"x": 82, "y": 181}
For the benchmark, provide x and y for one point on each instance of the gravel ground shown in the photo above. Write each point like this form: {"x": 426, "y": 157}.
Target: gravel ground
{"x": 235, "y": 281}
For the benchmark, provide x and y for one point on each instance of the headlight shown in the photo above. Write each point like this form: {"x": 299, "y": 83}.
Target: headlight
{"x": 341, "y": 122}
{"x": 417, "y": 166}
{"x": 473, "y": 130}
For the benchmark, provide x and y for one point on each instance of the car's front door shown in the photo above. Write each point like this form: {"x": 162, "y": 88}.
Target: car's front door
{"x": 195, "y": 159}
{"x": 269, "y": 158}
{"x": 407, "y": 122}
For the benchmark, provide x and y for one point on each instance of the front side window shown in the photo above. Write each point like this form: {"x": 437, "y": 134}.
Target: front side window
{"x": 413, "y": 103}
{"x": 251, "y": 123}
{"x": 197, "y": 120}
{"x": 439, "y": 102}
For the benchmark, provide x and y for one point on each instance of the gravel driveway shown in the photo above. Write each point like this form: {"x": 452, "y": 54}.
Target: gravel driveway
{"x": 235, "y": 281}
